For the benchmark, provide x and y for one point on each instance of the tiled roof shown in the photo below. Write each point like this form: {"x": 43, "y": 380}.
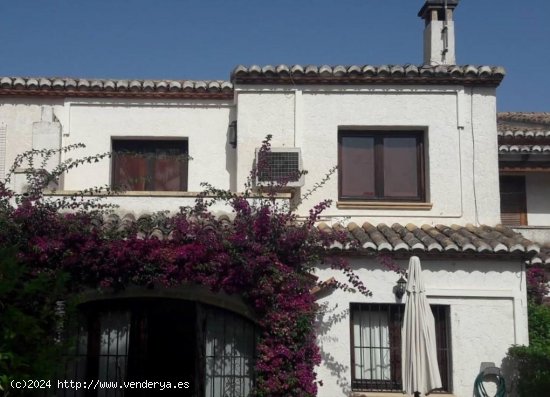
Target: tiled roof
{"x": 542, "y": 258}
{"x": 544, "y": 149}
{"x": 523, "y": 133}
{"x": 114, "y": 88}
{"x": 467, "y": 239}
{"x": 398, "y": 238}
{"x": 296, "y": 74}
{"x": 525, "y": 117}
{"x": 364, "y": 74}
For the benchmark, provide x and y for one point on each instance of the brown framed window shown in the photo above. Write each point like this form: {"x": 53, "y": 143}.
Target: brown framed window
{"x": 381, "y": 165}
{"x": 376, "y": 346}
{"x": 150, "y": 165}
{"x": 513, "y": 203}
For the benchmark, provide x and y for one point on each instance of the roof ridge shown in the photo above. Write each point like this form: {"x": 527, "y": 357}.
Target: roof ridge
{"x": 362, "y": 74}
{"x": 59, "y": 86}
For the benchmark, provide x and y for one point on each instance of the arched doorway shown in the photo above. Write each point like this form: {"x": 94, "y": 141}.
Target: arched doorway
{"x": 161, "y": 346}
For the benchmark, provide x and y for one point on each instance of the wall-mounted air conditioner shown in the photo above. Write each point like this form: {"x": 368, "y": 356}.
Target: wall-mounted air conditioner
{"x": 280, "y": 164}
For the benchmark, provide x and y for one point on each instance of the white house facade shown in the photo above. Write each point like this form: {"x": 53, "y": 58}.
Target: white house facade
{"x": 524, "y": 163}
{"x": 418, "y": 174}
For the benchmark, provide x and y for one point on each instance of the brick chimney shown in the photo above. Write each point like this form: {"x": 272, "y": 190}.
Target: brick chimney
{"x": 439, "y": 33}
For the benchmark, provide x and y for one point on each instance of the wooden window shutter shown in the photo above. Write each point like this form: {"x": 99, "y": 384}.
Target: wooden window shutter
{"x": 513, "y": 208}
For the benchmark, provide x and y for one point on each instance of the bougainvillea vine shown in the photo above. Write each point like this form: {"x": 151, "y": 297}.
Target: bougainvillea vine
{"x": 265, "y": 254}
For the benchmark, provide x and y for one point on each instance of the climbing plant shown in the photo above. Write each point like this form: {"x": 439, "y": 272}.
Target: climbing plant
{"x": 265, "y": 254}
{"x": 532, "y": 363}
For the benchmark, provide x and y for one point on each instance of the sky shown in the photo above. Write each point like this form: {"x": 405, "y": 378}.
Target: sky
{"x": 206, "y": 39}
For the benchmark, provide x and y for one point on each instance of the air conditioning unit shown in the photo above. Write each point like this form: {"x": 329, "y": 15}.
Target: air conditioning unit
{"x": 281, "y": 164}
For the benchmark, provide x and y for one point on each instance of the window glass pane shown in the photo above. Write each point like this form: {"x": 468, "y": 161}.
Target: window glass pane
{"x": 372, "y": 345}
{"x": 168, "y": 173}
{"x": 400, "y": 167}
{"x": 229, "y": 355}
{"x": 376, "y": 333}
{"x": 150, "y": 165}
{"x": 130, "y": 171}
{"x": 357, "y": 167}
{"x": 76, "y": 365}
{"x": 113, "y": 348}
{"x": 513, "y": 200}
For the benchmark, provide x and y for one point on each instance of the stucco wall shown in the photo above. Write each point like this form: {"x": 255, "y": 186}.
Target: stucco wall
{"x": 462, "y": 182}
{"x": 204, "y": 125}
{"x": 18, "y": 116}
{"x": 96, "y": 122}
{"x": 537, "y": 188}
{"x": 459, "y": 124}
{"x": 461, "y": 174}
{"x": 487, "y": 315}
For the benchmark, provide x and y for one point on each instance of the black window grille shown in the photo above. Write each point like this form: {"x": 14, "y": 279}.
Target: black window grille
{"x": 161, "y": 340}
{"x": 229, "y": 355}
{"x": 376, "y": 346}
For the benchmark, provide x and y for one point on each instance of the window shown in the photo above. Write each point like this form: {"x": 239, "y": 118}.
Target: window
{"x": 164, "y": 340}
{"x": 150, "y": 165}
{"x": 376, "y": 346}
{"x": 513, "y": 211}
{"x": 381, "y": 165}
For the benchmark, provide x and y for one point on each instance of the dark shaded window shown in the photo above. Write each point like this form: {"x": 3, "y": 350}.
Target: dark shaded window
{"x": 150, "y": 165}
{"x": 381, "y": 165}
{"x": 376, "y": 346}
{"x": 162, "y": 340}
{"x": 513, "y": 206}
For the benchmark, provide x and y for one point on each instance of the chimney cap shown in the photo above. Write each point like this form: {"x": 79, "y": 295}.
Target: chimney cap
{"x": 424, "y": 12}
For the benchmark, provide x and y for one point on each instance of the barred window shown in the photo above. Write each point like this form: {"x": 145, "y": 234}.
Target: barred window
{"x": 376, "y": 346}
{"x": 163, "y": 340}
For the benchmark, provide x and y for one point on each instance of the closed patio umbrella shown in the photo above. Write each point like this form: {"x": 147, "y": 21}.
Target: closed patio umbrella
{"x": 418, "y": 352}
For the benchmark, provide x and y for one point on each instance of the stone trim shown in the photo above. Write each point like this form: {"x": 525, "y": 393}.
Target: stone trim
{"x": 383, "y": 205}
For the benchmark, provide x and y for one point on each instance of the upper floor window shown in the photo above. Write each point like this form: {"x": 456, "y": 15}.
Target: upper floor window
{"x": 381, "y": 165}
{"x": 376, "y": 346}
{"x": 150, "y": 165}
{"x": 513, "y": 203}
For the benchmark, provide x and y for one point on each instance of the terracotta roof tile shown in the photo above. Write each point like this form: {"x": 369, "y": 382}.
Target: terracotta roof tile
{"x": 542, "y": 258}
{"x": 523, "y": 133}
{"x": 525, "y": 117}
{"x": 438, "y": 239}
{"x": 368, "y": 74}
{"x": 468, "y": 239}
{"x": 114, "y": 88}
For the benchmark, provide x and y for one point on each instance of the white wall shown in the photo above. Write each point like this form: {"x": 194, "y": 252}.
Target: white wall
{"x": 204, "y": 124}
{"x": 462, "y": 182}
{"x": 488, "y": 314}
{"x": 310, "y": 119}
{"x": 95, "y": 121}
{"x": 537, "y": 188}
{"x": 18, "y": 115}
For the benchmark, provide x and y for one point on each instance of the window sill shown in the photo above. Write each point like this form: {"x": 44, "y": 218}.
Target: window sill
{"x": 392, "y": 394}
{"x": 145, "y": 193}
{"x": 383, "y": 205}
{"x": 528, "y": 227}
